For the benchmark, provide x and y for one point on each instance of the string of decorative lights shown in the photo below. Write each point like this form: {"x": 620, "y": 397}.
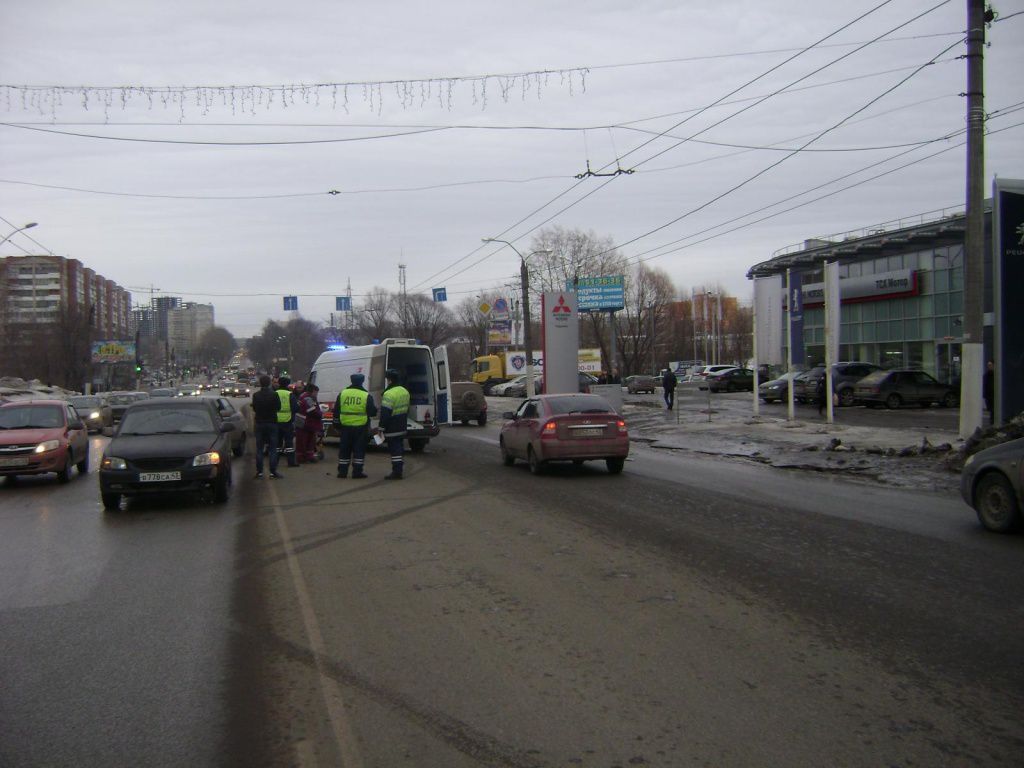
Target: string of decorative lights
{"x": 47, "y": 99}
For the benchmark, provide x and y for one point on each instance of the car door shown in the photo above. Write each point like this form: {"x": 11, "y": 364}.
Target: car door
{"x": 928, "y": 389}
{"x": 442, "y": 385}
{"x": 525, "y": 425}
{"x": 78, "y": 435}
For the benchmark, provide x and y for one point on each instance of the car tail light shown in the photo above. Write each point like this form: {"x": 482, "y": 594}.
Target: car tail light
{"x": 549, "y": 429}
{"x": 622, "y": 426}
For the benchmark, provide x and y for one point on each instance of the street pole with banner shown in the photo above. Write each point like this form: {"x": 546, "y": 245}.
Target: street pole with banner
{"x": 832, "y": 325}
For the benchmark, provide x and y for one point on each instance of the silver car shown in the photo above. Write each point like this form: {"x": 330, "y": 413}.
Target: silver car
{"x": 991, "y": 482}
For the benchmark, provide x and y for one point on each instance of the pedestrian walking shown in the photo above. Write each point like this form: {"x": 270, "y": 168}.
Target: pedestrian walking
{"x": 286, "y": 420}
{"x": 668, "y": 384}
{"x": 265, "y": 405}
{"x": 820, "y": 393}
{"x": 312, "y": 423}
{"x": 394, "y": 415}
{"x": 352, "y": 412}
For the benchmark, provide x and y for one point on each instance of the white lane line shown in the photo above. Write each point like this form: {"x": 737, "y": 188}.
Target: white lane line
{"x": 348, "y": 747}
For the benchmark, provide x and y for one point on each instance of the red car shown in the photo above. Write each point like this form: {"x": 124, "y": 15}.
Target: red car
{"x": 39, "y": 436}
{"x": 565, "y": 427}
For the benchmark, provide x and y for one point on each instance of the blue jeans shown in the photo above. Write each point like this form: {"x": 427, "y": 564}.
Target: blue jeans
{"x": 266, "y": 438}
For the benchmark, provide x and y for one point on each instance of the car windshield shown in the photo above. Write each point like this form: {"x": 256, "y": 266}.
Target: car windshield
{"x": 121, "y": 399}
{"x": 85, "y": 402}
{"x": 874, "y": 377}
{"x": 31, "y": 417}
{"x": 166, "y": 421}
{"x": 578, "y": 404}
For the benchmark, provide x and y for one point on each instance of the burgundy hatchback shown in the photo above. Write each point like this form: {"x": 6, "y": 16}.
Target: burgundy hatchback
{"x": 566, "y": 427}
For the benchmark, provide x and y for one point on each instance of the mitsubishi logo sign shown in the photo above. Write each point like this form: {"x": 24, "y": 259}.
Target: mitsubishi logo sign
{"x": 561, "y": 306}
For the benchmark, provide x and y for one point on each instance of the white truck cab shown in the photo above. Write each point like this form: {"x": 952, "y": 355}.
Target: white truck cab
{"x": 424, "y": 373}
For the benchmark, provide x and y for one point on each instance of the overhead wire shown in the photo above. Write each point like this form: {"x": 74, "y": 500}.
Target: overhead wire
{"x": 601, "y": 186}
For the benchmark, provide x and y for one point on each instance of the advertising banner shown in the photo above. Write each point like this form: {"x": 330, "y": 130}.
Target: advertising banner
{"x": 113, "y": 351}
{"x": 768, "y": 305}
{"x": 499, "y": 333}
{"x": 795, "y": 307}
{"x": 1008, "y": 277}
{"x": 832, "y": 316}
{"x": 561, "y": 333}
{"x": 597, "y": 294}
{"x": 590, "y": 360}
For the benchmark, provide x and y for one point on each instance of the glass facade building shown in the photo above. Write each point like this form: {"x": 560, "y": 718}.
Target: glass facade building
{"x": 901, "y": 290}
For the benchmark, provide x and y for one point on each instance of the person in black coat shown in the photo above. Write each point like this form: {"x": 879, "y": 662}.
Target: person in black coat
{"x": 265, "y": 405}
{"x": 668, "y": 383}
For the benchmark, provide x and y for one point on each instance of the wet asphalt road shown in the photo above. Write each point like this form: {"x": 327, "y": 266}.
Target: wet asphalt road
{"x": 692, "y": 610}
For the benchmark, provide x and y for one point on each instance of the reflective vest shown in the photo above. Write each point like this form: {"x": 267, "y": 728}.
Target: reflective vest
{"x": 285, "y": 414}
{"x": 353, "y": 407}
{"x": 396, "y": 400}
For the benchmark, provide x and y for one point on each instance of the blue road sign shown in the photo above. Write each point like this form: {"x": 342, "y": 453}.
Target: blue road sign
{"x": 440, "y": 294}
{"x": 342, "y": 304}
{"x": 291, "y": 303}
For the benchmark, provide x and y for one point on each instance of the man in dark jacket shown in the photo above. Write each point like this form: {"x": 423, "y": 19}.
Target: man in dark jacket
{"x": 394, "y": 415}
{"x": 668, "y": 383}
{"x": 265, "y": 405}
{"x": 352, "y": 412}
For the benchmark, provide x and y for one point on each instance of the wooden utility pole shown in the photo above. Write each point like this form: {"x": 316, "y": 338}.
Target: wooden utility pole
{"x": 972, "y": 347}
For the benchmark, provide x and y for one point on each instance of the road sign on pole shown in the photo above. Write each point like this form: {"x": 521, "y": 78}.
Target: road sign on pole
{"x": 291, "y": 303}
{"x": 440, "y": 294}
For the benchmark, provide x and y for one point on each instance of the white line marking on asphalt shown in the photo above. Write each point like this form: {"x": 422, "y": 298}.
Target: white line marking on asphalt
{"x": 348, "y": 747}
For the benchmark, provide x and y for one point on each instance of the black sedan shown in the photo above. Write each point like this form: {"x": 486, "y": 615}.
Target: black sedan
{"x": 733, "y": 380}
{"x": 896, "y": 388}
{"x": 992, "y": 482}
{"x": 167, "y": 445}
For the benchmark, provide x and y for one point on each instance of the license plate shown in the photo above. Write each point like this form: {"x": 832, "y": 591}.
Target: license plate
{"x": 593, "y": 432}
{"x": 158, "y": 477}
{"x": 14, "y": 462}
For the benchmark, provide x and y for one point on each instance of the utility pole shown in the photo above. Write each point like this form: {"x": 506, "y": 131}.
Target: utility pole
{"x": 972, "y": 347}
{"x": 401, "y": 285}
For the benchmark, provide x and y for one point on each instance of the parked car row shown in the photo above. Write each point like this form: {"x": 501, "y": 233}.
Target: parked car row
{"x": 863, "y": 383}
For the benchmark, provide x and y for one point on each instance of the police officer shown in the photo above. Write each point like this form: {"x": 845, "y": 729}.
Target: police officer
{"x": 394, "y": 414}
{"x": 286, "y": 420}
{"x": 352, "y": 412}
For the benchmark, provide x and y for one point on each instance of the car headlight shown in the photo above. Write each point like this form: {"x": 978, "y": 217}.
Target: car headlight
{"x": 775, "y": 386}
{"x": 112, "y": 462}
{"x": 967, "y": 463}
{"x": 206, "y": 459}
{"x": 94, "y": 415}
{"x": 49, "y": 445}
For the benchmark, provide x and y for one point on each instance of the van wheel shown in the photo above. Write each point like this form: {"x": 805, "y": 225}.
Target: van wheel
{"x": 417, "y": 444}
{"x": 506, "y": 458}
{"x": 846, "y": 398}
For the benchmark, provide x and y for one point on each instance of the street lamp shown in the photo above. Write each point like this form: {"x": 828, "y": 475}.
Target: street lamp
{"x": 19, "y": 229}
{"x": 524, "y": 276}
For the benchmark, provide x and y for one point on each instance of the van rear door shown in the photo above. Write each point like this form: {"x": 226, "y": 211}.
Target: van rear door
{"x": 442, "y": 383}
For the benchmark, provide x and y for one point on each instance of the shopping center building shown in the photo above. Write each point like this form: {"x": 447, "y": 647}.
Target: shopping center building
{"x": 901, "y": 287}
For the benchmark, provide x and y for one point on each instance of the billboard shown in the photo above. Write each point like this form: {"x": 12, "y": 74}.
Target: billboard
{"x": 1008, "y": 276}
{"x": 561, "y": 332}
{"x": 599, "y": 294}
{"x": 113, "y": 351}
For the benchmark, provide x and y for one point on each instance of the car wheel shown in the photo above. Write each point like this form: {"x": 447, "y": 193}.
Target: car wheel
{"x": 846, "y": 398}
{"x": 893, "y": 401}
{"x": 615, "y": 465}
{"x": 577, "y": 462}
{"x": 239, "y": 450}
{"x": 64, "y": 475}
{"x": 464, "y": 420}
{"x": 536, "y": 465}
{"x": 482, "y": 418}
{"x": 417, "y": 444}
{"x": 111, "y": 501}
{"x": 949, "y": 400}
{"x": 83, "y": 465}
{"x": 507, "y": 458}
{"x": 222, "y": 490}
{"x": 995, "y": 503}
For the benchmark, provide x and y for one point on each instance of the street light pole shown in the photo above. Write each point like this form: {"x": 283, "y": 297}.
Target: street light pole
{"x": 524, "y": 277}
{"x": 19, "y": 229}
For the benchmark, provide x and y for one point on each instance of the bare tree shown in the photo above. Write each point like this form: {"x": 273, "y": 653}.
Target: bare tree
{"x": 429, "y": 321}
{"x": 376, "y": 316}
{"x": 215, "y": 346}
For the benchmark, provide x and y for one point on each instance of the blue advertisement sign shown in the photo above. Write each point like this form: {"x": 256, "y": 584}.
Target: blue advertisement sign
{"x": 795, "y": 304}
{"x": 599, "y": 294}
{"x": 342, "y": 304}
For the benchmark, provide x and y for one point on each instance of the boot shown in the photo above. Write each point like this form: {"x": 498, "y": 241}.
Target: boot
{"x": 393, "y": 476}
{"x": 342, "y": 472}
{"x": 359, "y": 475}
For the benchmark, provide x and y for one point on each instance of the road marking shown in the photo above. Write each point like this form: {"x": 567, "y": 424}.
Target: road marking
{"x": 348, "y": 747}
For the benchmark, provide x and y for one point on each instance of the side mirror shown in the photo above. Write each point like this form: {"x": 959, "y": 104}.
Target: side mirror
{"x": 227, "y": 426}
{"x": 77, "y": 424}
{"x": 509, "y": 415}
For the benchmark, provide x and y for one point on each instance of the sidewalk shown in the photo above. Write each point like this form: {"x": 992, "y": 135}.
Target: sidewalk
{"x": 904, "y": 457}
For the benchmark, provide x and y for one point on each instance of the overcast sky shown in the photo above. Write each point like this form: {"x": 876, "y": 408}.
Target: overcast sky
{"x": 207, "y": 200}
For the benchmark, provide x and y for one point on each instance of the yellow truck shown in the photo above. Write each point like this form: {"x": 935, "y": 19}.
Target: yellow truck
{"x": 488, "y": 370}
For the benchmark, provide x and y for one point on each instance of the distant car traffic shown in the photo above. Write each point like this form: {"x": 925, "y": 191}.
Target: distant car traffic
{"x": 731, "y": 380}
{"x": 94, "y": 411}
{"x": 569, "y": 427}
{"x": 41, "y": 436}
{"x": 640, "y": 383}
{"x": 119, "y": 402}
{"x": 189, "y": 390}
{"x": 777, "y": 390}
{"x": 896, "y": 388}
{"x": 844, "y": 379}
{"x": 163, "y": 392}
{"x": 164, "y": 446}
{"x": 992, "y": 481}
{"x": 502, "y": 389}
{"x": 707, "y": 370}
